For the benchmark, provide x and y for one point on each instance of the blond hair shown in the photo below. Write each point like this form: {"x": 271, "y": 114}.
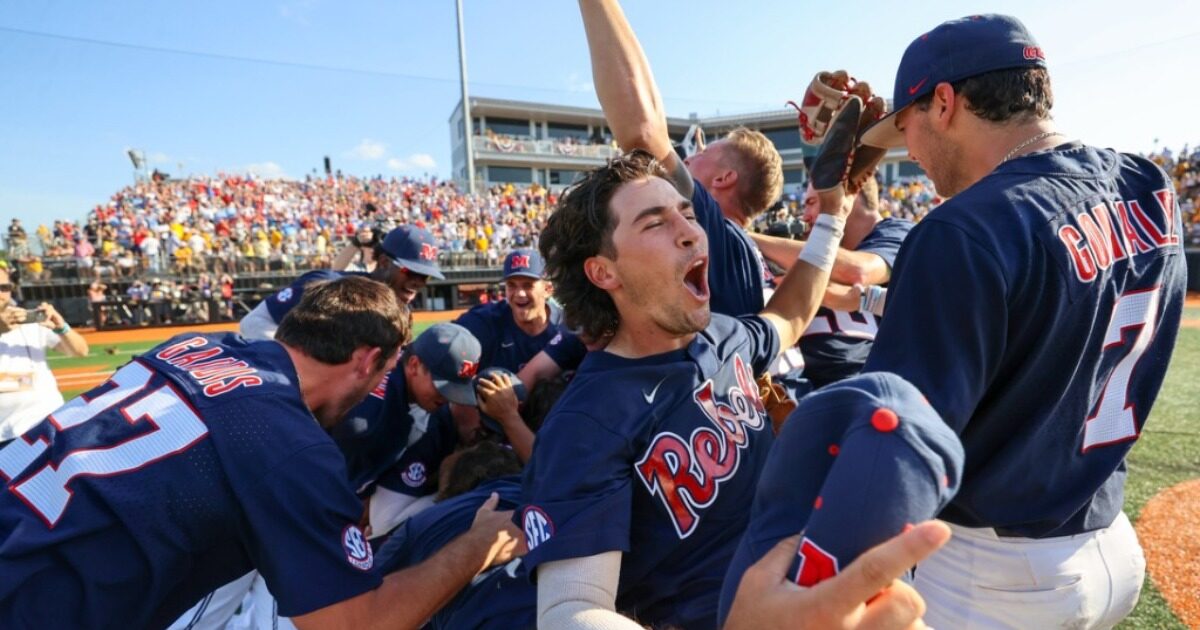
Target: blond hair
{"x": 759, "y": 168}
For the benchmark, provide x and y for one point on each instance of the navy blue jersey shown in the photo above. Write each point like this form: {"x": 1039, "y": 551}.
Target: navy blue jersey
{"x": 566, "y": 349}
{"x": 656, "y": 457}
{"x": 498, "y": 598}
{"x": 1037, "y": 310}
{"x": 376, "y": 432}
{"x": 836, "y": 344}
{"x": 737, "y": 273}
{"x": 279, "y": 304}
{"x": 415, "y": 472}
{"x": 502, "y": 342}
{"x": 192, "y": 465}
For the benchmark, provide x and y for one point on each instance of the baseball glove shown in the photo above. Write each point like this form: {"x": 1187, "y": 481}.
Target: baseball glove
{"x": 776, "y": 401}
{"x": 825, "y": 100}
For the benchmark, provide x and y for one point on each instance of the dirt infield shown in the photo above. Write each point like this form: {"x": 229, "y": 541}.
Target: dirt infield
{"x": 1166, "y": 529}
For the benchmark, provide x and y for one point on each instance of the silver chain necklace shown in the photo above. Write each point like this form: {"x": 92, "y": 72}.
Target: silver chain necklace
{"x": 1040, "y": 136}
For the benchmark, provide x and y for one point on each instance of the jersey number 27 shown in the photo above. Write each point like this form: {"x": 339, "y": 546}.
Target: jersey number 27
{"x": 175, "y": 428}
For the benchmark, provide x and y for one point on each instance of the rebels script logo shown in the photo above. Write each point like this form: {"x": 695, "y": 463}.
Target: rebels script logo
{"x": 685, "y": 474}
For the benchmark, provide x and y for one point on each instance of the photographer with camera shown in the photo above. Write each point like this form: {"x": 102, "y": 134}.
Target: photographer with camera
{"x": 358, "y": 255}
{"x": 28, "y": 391}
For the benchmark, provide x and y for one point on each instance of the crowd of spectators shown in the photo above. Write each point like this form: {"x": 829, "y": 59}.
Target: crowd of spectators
{"x": 1184, "y": 168}
{"x": 233, "y": 224}
{"x": 237, "y": 224}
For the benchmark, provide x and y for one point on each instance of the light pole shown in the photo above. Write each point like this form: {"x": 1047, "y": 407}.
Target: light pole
{"x": 466, "y": 103}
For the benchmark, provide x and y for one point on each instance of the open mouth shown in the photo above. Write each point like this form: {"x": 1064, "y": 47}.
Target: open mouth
{"x": 695, "y": 279}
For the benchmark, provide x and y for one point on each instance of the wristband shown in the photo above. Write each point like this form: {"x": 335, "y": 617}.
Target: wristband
{"x": 821, "y": 248}
{"x": 872, "y": 300}
{"x": 66, "y": 328}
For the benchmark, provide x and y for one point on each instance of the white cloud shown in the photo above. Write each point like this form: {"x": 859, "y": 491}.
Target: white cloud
{"x": 414, "y": 162}
{"x": 266, "y": 170}
{"x": 368, "y": 149}
{"x": 575, "y": 83}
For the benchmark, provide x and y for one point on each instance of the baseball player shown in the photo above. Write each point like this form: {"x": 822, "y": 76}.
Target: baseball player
{"x": 856, "y": 463}
{"x": 1037, "y": 308}
{"x": 205, "y": 458}
{"x": 510, "y": 332}
{"x": 436, "y": 368}
{"x": 655, "y": 447}
{"x": 837, "y": 343}
{"x": 410, "y": 483}
{"x": 374, "y": 435}
{"x": 404, "y": 260}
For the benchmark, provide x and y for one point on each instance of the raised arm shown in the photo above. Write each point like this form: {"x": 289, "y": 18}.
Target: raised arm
{"x": 624, "y": 84}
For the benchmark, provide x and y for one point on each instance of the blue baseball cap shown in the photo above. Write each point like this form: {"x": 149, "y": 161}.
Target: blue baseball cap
{"x": 489, "y": 422}
{"x": 955, "y": 50}
{"x": 451, "y": 354}
{"x": 413, "y": 248}
{"x": 524, "y": 262}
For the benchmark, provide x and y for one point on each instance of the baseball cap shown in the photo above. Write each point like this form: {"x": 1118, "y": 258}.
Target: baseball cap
{"x": 489, "y": 422}
{"x": 955, "y": 50}
{"x": 524, "y": 262}
{"x": 413, "y": 248}
{"x": 451, "y": 354}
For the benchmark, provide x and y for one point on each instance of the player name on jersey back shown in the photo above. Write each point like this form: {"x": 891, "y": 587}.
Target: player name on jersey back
{"x": 1104, "y": 234}
{"x": 213, "y": 373}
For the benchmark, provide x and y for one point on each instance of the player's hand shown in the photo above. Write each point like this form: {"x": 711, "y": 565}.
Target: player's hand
{"x": 867, "y": 594}
{"x": 497, "y": 398}
{"x": 499, "y": 539}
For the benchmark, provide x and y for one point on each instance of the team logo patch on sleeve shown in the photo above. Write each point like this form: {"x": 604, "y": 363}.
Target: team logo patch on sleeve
{"x": 284, "y": 295}
{"x": 414, "y": 475}
{"x": 358, "y": 552}
{"x": 538, "y": 527}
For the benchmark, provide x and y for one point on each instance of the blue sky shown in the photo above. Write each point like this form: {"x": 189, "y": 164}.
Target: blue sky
{"x": 274, "y": 86}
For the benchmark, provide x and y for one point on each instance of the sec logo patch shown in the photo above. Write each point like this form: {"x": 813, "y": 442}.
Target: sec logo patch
{"x": 358, "y": 552}
{"x": 284, "y": 295}
{"x": 414, "y": 475}
{"x": 538, "y": 527}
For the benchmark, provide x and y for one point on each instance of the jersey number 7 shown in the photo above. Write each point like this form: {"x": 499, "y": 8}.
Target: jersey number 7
{"x": 1114, "y": 420}
{"x": 175, "y": 428}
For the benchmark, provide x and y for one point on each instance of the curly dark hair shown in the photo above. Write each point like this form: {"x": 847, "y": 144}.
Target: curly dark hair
{"x": 581, "y": 227}
{"x": 1021, "y": 94}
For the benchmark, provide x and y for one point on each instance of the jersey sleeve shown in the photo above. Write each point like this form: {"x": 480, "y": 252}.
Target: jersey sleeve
{"x": 579, "y": 492}
{"x": 946, "y": 320}
{"x": 566, "y": 349}
{"x": 279, "y": 304}
{"x": 885, "y": 240}
{"x": 763, "y": 342}
{"x": 482, "y": 326}
{"x": 302, "y": 533}
{"x": 416, "y": 472}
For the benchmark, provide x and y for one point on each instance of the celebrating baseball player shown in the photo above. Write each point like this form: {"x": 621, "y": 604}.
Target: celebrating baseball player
{"x": 655, "y": 447}
{"x": 207, "y": 457}
{"x": 1037, "y": 309}
{"x": 404, "y": 260}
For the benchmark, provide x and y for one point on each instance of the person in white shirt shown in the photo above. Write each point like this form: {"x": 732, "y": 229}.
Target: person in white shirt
{"x": 28, "y": 391}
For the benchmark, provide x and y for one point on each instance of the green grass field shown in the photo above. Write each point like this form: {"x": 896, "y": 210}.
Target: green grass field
{"x": 1167, "y": 453}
